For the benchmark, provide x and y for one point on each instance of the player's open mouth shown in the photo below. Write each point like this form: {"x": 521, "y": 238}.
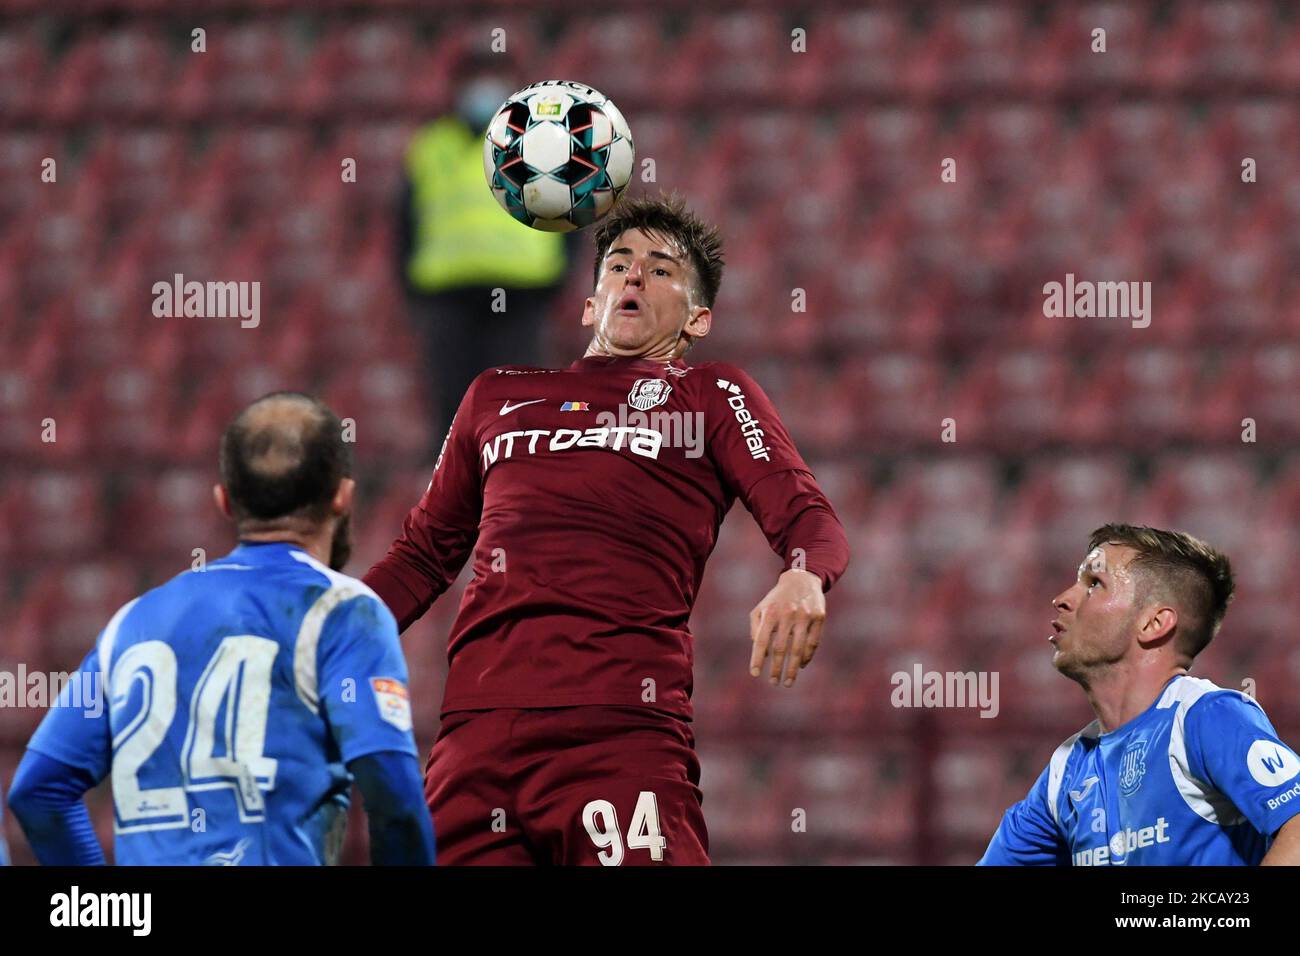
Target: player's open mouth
{"x": 1057, "y": 630}
{"x": 629, "y": 305}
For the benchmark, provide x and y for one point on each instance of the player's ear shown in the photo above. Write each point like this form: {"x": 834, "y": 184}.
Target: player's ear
{"x": 222, "y": 500}
{"x": 342, "y": 502}
{"x": 701, "y": 320}
{"x": 589, "y": 312}
{"x": 1158, "y": 622}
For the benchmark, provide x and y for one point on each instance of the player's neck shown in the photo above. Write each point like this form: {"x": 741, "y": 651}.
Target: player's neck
{"x": 1117, "y": 696}
{"x": 595, "y": 350}
{"x": 316, "y": 544}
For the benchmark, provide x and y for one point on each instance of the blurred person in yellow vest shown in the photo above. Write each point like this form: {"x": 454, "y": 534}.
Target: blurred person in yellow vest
{"x": 479, "y": 284}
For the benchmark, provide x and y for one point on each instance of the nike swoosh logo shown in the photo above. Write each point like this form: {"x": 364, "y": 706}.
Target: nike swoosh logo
{"x": 507, "y": 408}
{"x": 1078, "y": 795}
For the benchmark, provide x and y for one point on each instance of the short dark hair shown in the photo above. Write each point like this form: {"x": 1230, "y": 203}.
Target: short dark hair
{"x": 1181, "y": 568}
{"x": 668, "y": 217}
{"x": 286, "y": 461}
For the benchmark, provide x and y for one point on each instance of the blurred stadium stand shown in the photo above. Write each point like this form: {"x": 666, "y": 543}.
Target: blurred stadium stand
{"x": 924, "y": 302}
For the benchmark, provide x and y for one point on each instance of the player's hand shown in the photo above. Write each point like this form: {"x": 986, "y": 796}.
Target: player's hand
{"x": 787, "y": 623}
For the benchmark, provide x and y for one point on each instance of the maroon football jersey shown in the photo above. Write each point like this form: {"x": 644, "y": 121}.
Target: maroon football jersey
{"x": 591, "y": 498}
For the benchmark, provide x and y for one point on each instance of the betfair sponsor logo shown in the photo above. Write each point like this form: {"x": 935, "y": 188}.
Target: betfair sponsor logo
{"x": 751, "y": 429}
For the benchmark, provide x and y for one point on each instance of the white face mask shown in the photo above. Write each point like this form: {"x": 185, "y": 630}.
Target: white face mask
{"x": 478, "y": 102}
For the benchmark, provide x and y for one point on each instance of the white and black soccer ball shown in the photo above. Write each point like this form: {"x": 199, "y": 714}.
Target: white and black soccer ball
{"x": 557, "y": 155}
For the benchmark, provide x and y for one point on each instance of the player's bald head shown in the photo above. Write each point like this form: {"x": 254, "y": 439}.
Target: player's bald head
{"x": 283, "y": 456}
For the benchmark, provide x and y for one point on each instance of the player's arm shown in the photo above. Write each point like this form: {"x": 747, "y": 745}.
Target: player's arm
{"x": 1233, "y": 746}
{"x": 1028, "y": 834}
{"x": 47, "y": 800}
{"x": 362, "y": 683}
{"x": 1285, "y": 850}
{"x": 4, "y": 847}
{"x": 760, "y": 464}
{"x": 439, "y": 532}
{"x": 401, "y": 830}
{"x": 69, "y": 754}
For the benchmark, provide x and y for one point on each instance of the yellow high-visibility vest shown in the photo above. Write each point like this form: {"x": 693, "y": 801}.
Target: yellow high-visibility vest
{"x": 462, "y": 236}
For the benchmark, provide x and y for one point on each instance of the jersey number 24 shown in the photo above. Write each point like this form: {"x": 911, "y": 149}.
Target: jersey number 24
{"x": 235, "y": 686}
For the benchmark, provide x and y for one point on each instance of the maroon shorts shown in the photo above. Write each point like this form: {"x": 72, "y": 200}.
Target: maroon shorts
{"x": 582, "y": 786}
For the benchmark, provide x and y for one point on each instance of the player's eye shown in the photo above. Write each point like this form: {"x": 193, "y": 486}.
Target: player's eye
{"x": 616, "y": 266}
{"x": 662, "y": 271}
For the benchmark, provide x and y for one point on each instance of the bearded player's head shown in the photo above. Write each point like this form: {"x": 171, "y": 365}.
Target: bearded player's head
{"x": 657, "y": 273}
{"x": 1143, "y": 599}
{"x": 285, "y": 475}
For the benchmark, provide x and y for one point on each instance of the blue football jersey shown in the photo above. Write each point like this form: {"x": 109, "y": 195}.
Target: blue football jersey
{"x": 1199, "y": 778}
{"x": 233, "y": 697}
{"x": 4, "y": 847}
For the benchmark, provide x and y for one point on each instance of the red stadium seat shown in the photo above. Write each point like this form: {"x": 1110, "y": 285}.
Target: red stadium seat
{"x": 358, "y": 67}
{"x": 22, "y": 67}
{"x": 859, "y": 51}
{"x": 63, "y": 514}
{"x": 66, "y": 608}
{"x": 618, "y": 50}
{"x": 123, "y": 74}
{"x": 1205, "y": 495}
{"x": 249, "y": 69}
{"x": 1009, "y": 398}
{"x": 948, "y": 505}
{"x": 129, "y": 412}
{"x": 728, "y": 55}
{"x": 164, "y": 517}
{"x": 387, "y": 404}
{"x": 1066, "y": 61}
{"x": 1061, "y": 500}
{"x": 898, "y": 397}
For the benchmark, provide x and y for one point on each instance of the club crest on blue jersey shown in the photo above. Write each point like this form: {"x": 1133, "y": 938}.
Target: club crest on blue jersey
{"x": 1132, "y": 767}
{"x": 646, "y": 393}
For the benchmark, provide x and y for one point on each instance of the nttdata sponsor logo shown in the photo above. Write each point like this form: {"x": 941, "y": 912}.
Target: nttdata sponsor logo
{"x": 131, "y": 910}
{"x": 639, "y": 441}
{"x": 1286, "y": 797}
{"x": 1123, "y": 843}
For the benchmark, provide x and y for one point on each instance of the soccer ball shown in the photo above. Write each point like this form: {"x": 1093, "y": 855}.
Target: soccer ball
{"x": 557, "y": 155}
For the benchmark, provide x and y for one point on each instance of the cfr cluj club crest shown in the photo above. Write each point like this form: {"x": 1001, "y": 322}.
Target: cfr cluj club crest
{"x": 1132, "y": 767}
{"x": 647, "y": 393}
